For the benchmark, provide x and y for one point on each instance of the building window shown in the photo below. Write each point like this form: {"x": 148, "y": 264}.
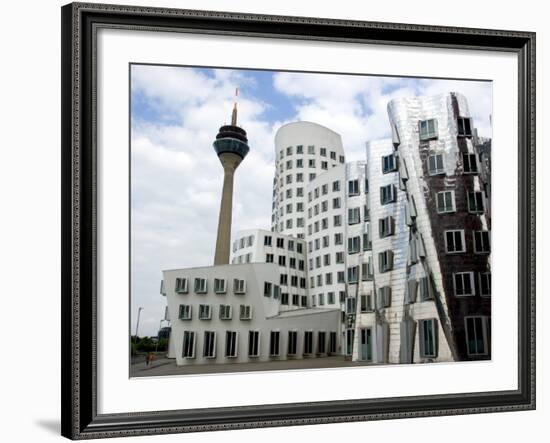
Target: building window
{"x": 292, "y": 263}
{"x": 299, "y": 149}
{"x": 427, "y": 129}
{"x": 367, "y": 271}
{"x": 332, "y": 343}
{"x": 321, "y": 342}
{"x": 454, "y": 241}
{"x": 324, "y": 165}
{"x": 295, "y": 300}
{"x": 205, "y": 312}
{"x": 274, "y": 341}
{"x": 366, "y": 302}
{"x": 385, "y": 261}
{"x": 292, "y": 342}
{"x": 336, "y": 204}
{"x": 336, "y": 186}
{"x": 253, "y": 343}
{"x": 283, "y": 279}
{"x": 428, "y": 338}
{"x": 337, "y": 221}
{"x": 268, "y": 287}
{"x": 338, "y": 238}
{"x": 464, "y": 126}
{"x": 269, "y": 258}
{"x": 384, "y": 297}
{"x": 387, "y": 194}
{"x": 354, "y": 216}
{"x": 289, "y": 164}
{"x": 300, "y": 163}
{"x": 311, "y": 149}
{"x": 469, "y": 163}
{"x": 219, "y": 286}
{"x": 225, "y": 312}
{"x": 239, "y": 286}
{"x": 324, "y": 206}
{"x": 386, "y": 226}
{"x": 209, "y": 345}
{"x": 435, "y": 164}
{"x": 475, "y": 202}
{"x": 426, "y": 292}
{"x": 188, "y": 344}
{"x": 231, "y": 343}
{"x": 245, "y": 312}
{"x": 200, "y": 285}
{"x": 311, "y": 162}
{"x": 308, "y": 342}
{"x": 330, "y": 295}
{"x": 476, "y": 335}
{"x": 353, "y": 274}
{"x": 284, "y": 298}
{"x": 354, "y": 244}
{"x": 445, "y": 202}
{"x": 185, "y": 312}
{"x": 481, "y": 242}
{"x": 389, "y": 163}
{"x": 267, "y": 240}
{"x": 464, "y": 283}
{"x": 282, "y": 260}
{"x": 353, "y": 187}
{"x": 350, "y": 305}
{"x": 485, "y": 284}
{"x": 312, "y": 176}
{"x": 181, "y": 286}
{"x": 341, "y": 159}
{"x": 350, "y": 334}
{"x": 281, "y": 243}
{"x": 340, "y": 277}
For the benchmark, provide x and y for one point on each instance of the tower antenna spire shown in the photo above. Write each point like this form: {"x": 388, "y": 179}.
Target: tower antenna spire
{"x": 234, "y": 114}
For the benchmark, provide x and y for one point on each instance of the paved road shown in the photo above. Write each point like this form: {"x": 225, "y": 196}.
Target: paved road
{"x": 164, "y": 366}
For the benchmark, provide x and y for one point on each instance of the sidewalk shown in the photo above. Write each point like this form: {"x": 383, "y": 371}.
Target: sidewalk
{"x": 165, "y": 366}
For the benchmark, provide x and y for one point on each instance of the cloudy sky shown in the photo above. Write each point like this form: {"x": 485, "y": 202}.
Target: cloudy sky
{"x": 176, "y": 177}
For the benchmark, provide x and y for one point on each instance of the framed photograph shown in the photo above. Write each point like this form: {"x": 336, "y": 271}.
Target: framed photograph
{"x": 289, "y": 220}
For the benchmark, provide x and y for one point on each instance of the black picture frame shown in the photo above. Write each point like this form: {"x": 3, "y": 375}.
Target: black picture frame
{"x": 79, "y": 243}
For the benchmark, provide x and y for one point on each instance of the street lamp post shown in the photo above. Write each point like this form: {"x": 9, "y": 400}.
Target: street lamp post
{"x": 137, "y": 323}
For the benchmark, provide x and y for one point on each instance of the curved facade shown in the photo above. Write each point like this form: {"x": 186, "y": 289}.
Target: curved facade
{"x": 303, "y": 150}
{"x": 435, "y": 141}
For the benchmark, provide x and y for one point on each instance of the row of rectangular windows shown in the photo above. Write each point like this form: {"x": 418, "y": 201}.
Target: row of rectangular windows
{"x": 205, "y": 312}
{"x": 435, "y": 164}
{"x": 477, "y": 337}
{"x": 201, "y": 286}
{"x": 311, "y": 163}
{"x": 428, "y": 129}
{"x": 231, "y": 348}
{"x": 428, "y": 340}
{"x": 310, "y": 151}
{"x": 280, "y": 243}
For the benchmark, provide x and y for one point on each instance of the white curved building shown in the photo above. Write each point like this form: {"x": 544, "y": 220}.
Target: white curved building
{"x": 303, "y": 150}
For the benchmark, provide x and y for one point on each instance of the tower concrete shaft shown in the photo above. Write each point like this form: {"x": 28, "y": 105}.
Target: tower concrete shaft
{"x": 230, "y": 162}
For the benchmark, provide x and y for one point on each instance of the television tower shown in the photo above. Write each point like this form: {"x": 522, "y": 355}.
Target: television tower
{"x": 231, "y": 145}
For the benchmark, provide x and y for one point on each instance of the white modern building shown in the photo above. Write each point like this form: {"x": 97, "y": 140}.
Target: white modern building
{"x": 232, "y": 313}
{"x": 382, "y": 260}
